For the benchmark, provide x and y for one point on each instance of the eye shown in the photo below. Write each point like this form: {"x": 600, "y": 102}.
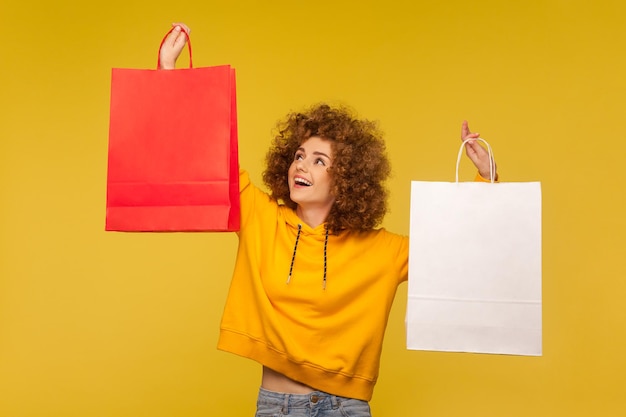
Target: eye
{"x": 298, "y": 156}
{"x": 320, "y": 161}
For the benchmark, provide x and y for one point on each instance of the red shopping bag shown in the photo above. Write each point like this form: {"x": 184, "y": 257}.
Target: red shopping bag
{"x": 173, "y": 159}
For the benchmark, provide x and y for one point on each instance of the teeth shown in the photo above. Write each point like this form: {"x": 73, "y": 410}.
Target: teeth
{"x": 302, "y": 181}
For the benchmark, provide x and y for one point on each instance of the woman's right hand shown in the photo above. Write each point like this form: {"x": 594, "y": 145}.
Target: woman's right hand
{"x": 173, "y": 46}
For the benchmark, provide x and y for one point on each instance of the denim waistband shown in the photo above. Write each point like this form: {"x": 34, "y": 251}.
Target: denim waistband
{"x": 317, "y": 399}
{"x": 316, "y": 403}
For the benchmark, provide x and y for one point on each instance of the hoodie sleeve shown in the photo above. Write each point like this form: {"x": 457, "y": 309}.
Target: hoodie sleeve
{"x": 253, "y": 200}
{"x": 403, "y": 258}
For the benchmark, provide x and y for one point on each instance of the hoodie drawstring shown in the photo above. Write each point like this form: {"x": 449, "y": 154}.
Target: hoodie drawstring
{"x": 293, "y": 257}
{"x": 325, "y": 246}
{"x": 295, "y": 248}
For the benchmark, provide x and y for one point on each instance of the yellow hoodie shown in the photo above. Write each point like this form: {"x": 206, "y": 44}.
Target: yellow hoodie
{"x": 309, "y": 305}
{"x": 324, "y": 325}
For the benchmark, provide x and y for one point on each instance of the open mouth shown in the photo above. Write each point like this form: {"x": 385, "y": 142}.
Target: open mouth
{"x": 302, "y": 181}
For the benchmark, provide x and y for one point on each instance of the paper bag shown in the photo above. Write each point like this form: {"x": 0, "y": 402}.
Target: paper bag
{"x": 475, "y": 267}
{"x": 173, "y": 160}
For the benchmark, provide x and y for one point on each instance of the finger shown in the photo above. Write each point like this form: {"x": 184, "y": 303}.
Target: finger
{"x": 179, "y": 36}
{"x": 470, "y": 142}
{"x": 476, "y": 152}
{"x": 183, "y": 27}
{"x": 171, "y": 37}
{"x": 464, "y": 129}
{"x": 477, "y": 148}
{"x": 466, "y": 132}
{"x": 180, "y": 41}
{"x": 176, "y": 40}
{"x": 470, "y": 151}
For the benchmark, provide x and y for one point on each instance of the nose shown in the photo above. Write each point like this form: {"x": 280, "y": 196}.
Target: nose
{"x": 300, "y": 166}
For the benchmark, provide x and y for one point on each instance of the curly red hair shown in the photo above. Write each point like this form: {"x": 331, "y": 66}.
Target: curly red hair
{"x": 359, "y": 164}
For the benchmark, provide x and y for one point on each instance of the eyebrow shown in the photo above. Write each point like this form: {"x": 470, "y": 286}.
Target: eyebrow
{"x": 315, "y": 153}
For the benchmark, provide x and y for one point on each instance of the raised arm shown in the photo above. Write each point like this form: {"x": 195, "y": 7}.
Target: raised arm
{"x": 476, "y": 153}
{"x": 173, "y": 46}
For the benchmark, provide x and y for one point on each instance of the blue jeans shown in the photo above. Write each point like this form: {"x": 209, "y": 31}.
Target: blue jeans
{"x": 315, "y": 404}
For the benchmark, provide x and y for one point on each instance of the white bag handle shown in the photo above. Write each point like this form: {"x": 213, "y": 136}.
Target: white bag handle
{"x": 491, "y": 163}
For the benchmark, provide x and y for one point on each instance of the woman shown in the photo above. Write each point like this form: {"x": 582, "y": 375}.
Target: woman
{"x": 314, "y": 279}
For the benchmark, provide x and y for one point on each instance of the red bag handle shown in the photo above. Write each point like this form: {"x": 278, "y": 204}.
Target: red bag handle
{"x": 188, "y": 47}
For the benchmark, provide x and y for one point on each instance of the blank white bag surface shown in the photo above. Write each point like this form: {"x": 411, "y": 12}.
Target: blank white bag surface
{"x": 475, "y": 268}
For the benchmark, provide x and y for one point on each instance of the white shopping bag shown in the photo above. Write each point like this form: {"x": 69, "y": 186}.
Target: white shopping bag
{"x": 475, "y": 267}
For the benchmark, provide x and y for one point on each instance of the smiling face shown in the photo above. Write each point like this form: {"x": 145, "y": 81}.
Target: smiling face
{"x": 309, "y": 180}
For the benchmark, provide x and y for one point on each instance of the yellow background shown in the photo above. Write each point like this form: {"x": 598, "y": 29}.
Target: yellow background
{"x": 111, "y": 324}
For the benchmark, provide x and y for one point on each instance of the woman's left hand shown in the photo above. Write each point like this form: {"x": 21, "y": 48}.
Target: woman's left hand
{"x": 476, "y": 153}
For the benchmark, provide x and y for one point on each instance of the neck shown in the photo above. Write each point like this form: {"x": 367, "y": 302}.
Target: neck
{"x": 312, "y": 216}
